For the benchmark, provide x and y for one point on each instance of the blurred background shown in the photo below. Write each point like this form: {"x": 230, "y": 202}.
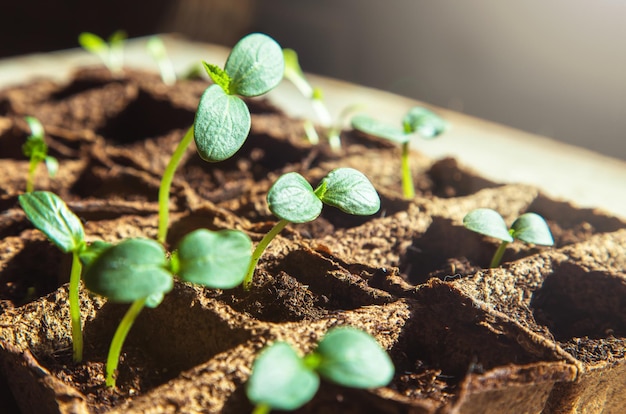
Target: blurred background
{"x": 554, "y": 68}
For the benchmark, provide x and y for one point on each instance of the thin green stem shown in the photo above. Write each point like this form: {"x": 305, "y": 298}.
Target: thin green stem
{"x": 262, "y": 409}
{"x": 407, "y": 179}
{"x": 166, "y": 184}
{"x": 312, "y": 360}
{"x": 259, "y": 249}
{"x": 115, "y": 349}
{"x": 30, "y": 180}
{"x": 311, "y": 133}
{"x": 497, "y": 256}
{"x": 334, "y": 139}
{"x": 74, "y": 299}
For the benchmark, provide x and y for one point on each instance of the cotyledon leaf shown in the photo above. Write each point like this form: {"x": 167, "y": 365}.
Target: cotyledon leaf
{"x": 255, "y": 65}
{"x": 52, "y": 217}
{"x": 214, "y": 259}
{"x": 221, "y": 125}
{"x": 131, "y": 270}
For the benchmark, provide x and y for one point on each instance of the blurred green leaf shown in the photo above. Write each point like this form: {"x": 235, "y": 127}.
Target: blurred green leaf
{"x": 424, "y": 122}
{"x": 532, "y": 228}
{"x": 131, "y": 270}
{"x": 371, "y": 126}
{"x": 214, "y": 259}
{"x": 92, "y": 42}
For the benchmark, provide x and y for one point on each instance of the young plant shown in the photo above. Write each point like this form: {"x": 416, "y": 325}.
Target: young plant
{"x": 292, "y": 199}
{"x": 294, "y": 73}
{"x": 157, "y": 50}
{"x": 282, "y": 380}
{"x": 254, "y": 67}
{"x": 137, "y": 271}
{"x": 529, "y": 227}
{"x": 52, "y": 217}
{"x": 111, "y": 53}
{"x": 418, "y": 120}
{"x": 36, "y": 150}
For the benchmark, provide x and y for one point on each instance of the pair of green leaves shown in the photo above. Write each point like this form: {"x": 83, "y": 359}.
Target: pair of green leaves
{"x": 346, "y": 356}
{"x": 529, "y": 227}
{"x": 254, "y": 66}
{"x": 292, "y": 198}
{"x": 417, "y": 120}
{"x": 138, "y": 268}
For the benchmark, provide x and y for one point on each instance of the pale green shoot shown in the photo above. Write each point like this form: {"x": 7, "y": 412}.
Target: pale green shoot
{"x": 157, "y": 50}
{"x": 36, "y": 149}
{"x": 111, "y": 53}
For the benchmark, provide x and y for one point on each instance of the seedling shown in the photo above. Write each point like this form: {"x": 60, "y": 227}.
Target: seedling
{"x": 292, "y": 199}
{"x": 529, "y": 227}
{"x": 137, "y": 271}
{"x": 294, "y": 73}
{"x": 418, "y": 120}
{"x": 36, "y": 150}
{"x": 111, "y": 53}
{"x": 254, "y": 67}
{"x": 50, "y": 215}
{"x": 157, "y": 50}
{"x": 282, "y": 380}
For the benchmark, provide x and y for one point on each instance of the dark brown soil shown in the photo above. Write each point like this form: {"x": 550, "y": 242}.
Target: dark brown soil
{"x": 545, "y": 332}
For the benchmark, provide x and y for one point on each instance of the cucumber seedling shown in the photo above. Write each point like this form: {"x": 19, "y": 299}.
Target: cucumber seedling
{"x": 156, "y": 49}
{"x": 50, "y": 215}
{"x": 294, "y": 73}
{"x": 529, "y": 227}
{"x": 36, "y": 149}
{"x": 137, "y": 271}
{"x": 254, "y": 66}
{"x": 292, "y": 199}
{"x": 346, "y": 356}
{"x": 111, "y": 53}
{"x": 417, "y": 120}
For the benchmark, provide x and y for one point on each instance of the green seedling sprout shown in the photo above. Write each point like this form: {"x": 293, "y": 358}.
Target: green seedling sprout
{"x": 137, "y": 271}
{"x": 52, "y": 217}
{"x": 111, "y": 53}
{"x": 529, "y": 227}
{"x": 418, "y": 120}
{"x": 36, "y": 150}
{"x": 346, "y": 356}
{"x": 294, "y": 73}
{"x": 156, "y": 48}
{"x": 292, "y": 199}
{"x": 222, "y": 123}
